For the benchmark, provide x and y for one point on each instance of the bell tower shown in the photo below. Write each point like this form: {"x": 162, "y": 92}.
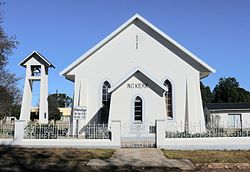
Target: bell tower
{"x": 37, "y": 67}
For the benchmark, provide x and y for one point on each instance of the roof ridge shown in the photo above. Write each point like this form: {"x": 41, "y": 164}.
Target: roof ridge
{"x": 131, "y": 73}
{"x": 122, "y": 27}
{"x": 40, "y": 55}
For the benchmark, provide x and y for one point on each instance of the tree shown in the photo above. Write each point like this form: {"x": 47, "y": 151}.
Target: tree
{"x": 206, "y": 94}
{"x": 7, "y": 44}
{"x": 228, "y": 90}
{"x": 243, "y": 95}
{"x": 5, "y": 102}
{"x": 62, "y": 99}
{"x": 15, "y": 110}
{"x": 54, "y": 113}
{"x": 9, "y": 92}
{"x": 55, "y": 101}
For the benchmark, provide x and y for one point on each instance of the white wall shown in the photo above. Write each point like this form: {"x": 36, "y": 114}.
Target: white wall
{"x": 246, "y": 119}
{"x": 122, "y": 103}
{"x": 118, "y": 57}
{"x": 27, "y": 93}
{"x": 223, "y": 118}
{"x": 115, "y": 142}
{"x": 210, "y": 143}
{"x": 220, "y": 143}
{"x": 19, "y": 140}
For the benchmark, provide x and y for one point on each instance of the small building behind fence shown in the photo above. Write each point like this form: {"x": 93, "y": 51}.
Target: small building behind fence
{"x": 228, "y": 115}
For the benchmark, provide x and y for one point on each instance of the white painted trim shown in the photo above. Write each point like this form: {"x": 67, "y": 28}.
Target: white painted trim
{"x": 131, "y": 74}
{"x": 122, "y": 27}
{"x": 100, "y": 91}
{"x": 213, "y": 143}
{"x": 173, "y": 99}
{"x": 229, "y": 110}
{"x": 177, "y": 45}
{"x": 133, "y": 122}
{"x": 41, "y": 56}
{"x": 97, "y": 46}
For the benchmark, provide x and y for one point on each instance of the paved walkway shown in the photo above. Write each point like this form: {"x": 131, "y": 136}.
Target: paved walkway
{"x": 142, "y": 158}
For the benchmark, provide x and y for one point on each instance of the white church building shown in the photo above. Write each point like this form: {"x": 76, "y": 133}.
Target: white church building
{"x": 137, "y": 75}
{"x": 136, "y": 88}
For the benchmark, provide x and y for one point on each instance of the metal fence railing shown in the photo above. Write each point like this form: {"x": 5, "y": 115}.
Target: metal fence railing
{"x": 7, "y": 130}
{"x": 205, "y": 131}
{"x": 96, "y": 131}
{"x": 138, "y": 135}
{"x": 64, "y": 131}
{"x": 46, "y": 131}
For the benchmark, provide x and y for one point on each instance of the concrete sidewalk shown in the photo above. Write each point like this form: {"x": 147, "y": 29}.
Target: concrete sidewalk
{"x": 142, "y": 158}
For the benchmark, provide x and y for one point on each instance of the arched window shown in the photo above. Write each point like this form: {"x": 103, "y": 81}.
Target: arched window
{"x": 105, "y": 94}
{"x": 138, "y": 109}
{"x": 168, "y": 99}
{"x": 105, "y": 102}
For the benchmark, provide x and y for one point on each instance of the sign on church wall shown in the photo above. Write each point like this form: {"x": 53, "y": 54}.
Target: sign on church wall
{"x": 137, "y": 85}
{"x": 79, "y": 112}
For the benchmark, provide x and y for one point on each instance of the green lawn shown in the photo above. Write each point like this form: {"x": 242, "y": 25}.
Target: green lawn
{"x": 58, "y": 159}
{"x": 210, "y": 156}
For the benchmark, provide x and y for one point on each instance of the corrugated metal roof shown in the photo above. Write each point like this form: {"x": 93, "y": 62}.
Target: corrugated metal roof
{"x": 224, "y": 106}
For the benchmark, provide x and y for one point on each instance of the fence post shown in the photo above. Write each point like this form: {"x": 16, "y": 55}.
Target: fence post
{"x": 116, "y": 133}
{"x": 19, "y": 131}
{"x": 160, "y": 133}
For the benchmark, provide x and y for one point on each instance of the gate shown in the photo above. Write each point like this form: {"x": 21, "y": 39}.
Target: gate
{"x": 138, "y": 135}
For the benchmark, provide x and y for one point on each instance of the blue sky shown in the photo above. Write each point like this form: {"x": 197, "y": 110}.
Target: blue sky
{"x": 62, "y": 30}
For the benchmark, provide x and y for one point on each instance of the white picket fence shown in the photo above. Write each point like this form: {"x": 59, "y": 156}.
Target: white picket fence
{"x": 7, "y": 130}
{"x": 64, "y": 131}
{"x": 111, "y": 136}
{"x": 199, "y": 130}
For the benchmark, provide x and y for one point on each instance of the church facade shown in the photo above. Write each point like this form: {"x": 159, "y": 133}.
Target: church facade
{"x": 138, "y": 75}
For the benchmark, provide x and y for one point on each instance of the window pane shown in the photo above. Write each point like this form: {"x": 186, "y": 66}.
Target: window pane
{"x": 234, "y": 120}
{"x": 105, "y": 102}
{"x": 138, "y": 109}
{"x": 105, "y": 94}
{"x": 168, "y": 99}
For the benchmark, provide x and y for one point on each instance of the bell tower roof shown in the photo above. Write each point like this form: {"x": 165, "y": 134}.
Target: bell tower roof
{"x": 39, "y": 57}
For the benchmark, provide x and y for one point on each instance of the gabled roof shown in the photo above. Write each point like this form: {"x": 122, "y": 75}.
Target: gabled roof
{"x": 228, "y": 106}
{"x": 155, "y": 29}
{"x": 40, "y": 56}
{"x": 133, "y": 72}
